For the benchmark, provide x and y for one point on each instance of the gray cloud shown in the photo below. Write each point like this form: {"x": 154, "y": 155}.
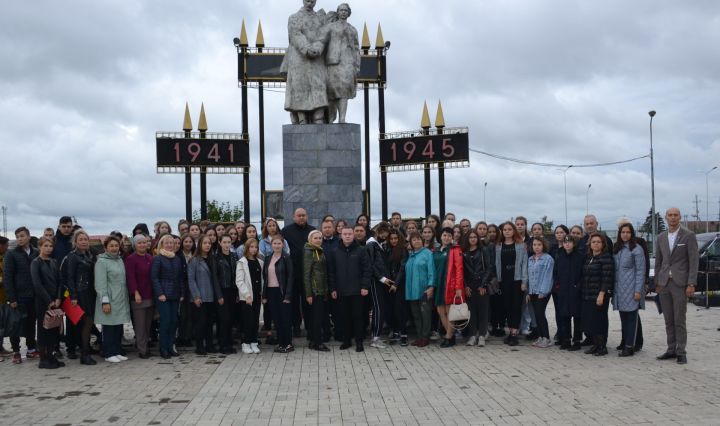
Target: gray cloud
{"x": 86, "y": 85}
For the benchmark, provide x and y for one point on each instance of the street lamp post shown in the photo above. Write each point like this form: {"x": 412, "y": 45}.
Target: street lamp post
{"x": 484, "y": 205}
{"x": 565, "y": 183}
{"x": 707, "y": 200}
{"x": 587, "y": 200}
{"x": 652, "y": 184}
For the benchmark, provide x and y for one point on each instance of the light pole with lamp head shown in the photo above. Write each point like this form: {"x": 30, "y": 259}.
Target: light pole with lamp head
{"x": 587, "y": 200}
{"x": 652, "y": 184}
{"x": 707, "y": 200}
{"x": 565, "y": 183}
{"x": 484, "y": 205}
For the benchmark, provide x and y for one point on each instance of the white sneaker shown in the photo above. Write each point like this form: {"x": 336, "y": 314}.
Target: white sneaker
{"x": 113, "y": 359}
{"x": 246, "y": 349}
{"x": 377, "y": 343}
{"x": 254, "y": 348}
{"x": 537, "y": 342}
{"x": 471, "y": 341}
{"x": 435, "y": 335}
{"x": 121, "y": 357}
{"x": 481, "y": 341}
{"x": 546, "y": 343}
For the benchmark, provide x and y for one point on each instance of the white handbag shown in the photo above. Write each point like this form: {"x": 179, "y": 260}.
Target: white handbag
{"x": 459, "y": 314}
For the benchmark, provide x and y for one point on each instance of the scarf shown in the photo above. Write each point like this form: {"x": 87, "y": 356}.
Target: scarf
{"x": 168, "y": 254}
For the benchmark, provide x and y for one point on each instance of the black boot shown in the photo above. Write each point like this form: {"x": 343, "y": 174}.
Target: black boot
{"x": 627, "y": 351}
{"x": 565, "y": 344}
{"x": 594, "y": 347}
{"x": 602, "y": 346}
{"x": 86, "y": 359}
{"x": 46, "y": 362}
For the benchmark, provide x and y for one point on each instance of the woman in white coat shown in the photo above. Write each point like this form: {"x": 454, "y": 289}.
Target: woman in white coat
{"x": 248, "y": 279}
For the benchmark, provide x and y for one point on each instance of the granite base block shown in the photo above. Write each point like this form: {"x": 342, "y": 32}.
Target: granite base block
{"x": 322, "y": 171}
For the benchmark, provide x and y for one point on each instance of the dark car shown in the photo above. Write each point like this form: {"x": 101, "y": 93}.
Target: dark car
{"x": 709, "y": 265}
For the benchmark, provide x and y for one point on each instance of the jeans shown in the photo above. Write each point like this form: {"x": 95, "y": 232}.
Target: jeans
{"x": 539, "y": 305}
{"x": 168, "y": 311}
{"x": 527, "y": 320}
{"x": 479, "y": 306}
{"x": 282, "y": 315}
{"x": 112, "y": 339}
{"x": 27, "y": 328}
{"x": 421, "y": 312}
{"x": 629, "y": 322}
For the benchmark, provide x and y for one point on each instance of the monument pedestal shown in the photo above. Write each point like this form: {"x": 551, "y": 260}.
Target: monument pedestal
{"x": 322, "y": 171}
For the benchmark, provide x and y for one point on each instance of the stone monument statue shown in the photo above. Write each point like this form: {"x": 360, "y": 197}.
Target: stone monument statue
{"x": 343, "y": 63}
{"x": 322, "y": 60}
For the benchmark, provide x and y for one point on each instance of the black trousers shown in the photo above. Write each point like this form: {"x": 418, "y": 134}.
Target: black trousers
{"x": 185, "y": 322}
{"x": 378, "y": 298}
{"x": 513, "y": 297}
{"x": 112, "y": 340}
{"x": 353, "y": 310}
{"x": 282, "y": 315}
{"x": 397, "y": 311}
{"x": 539, "y": 305}
{"x": 595, "y": 318}
{"x": 204, "y": 316}
{"x": 226, "y": 313}
{"x": 319, "y": 312}
{"x": 478, "y": 306}
{"x": 72, "y": 335}
{"x": 498, "y": 316}
{"x": 251, "y": 320}
{"x": 27, "y": 328}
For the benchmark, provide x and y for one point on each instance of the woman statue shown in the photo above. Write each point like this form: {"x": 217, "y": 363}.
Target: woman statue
{"x": 343, "y": 63}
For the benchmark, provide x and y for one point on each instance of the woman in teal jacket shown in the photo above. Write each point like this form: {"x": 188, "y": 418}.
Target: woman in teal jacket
{"x": 419, "y": 287}
{"x": 112, "y": 306}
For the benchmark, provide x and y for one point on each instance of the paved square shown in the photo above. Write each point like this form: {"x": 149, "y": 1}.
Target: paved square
{"x": 461, "y": 385}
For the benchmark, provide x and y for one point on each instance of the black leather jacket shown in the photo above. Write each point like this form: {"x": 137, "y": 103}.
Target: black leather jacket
{"x": 478, "y": 268}
{"x": 226, "y": 270}
{"x": 284, "y": 273}
{"x": 78, "y": 272}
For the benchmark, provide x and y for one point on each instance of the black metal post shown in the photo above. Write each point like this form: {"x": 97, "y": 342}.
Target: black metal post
{"x": 381, "y": 127}
{"x": 203, "y": 186}
{"x": 441, "y": 183}
{"x": 366, "y": 93}
{"x": 261, "y": 135}
{"x": 246, "y": 174}
{"x": 426, "y": 171}
{"x": 188, "y": 189}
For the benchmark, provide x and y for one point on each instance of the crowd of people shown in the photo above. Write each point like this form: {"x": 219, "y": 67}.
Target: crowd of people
{"x": 209, "y": 284}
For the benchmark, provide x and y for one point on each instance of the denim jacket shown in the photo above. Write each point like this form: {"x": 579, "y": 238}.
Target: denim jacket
{"x": 540, "y": 274}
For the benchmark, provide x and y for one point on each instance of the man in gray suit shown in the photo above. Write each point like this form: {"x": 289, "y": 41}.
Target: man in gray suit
{"x": 676, "y": 266}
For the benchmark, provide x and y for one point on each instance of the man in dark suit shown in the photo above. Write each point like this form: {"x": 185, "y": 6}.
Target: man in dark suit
{"x": 676, "y": 267}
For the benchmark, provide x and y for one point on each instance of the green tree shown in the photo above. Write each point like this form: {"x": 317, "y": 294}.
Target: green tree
{"x": 547, "y": 225}
{"x": 646, "y": 228}
{"x": 221, "y": 212}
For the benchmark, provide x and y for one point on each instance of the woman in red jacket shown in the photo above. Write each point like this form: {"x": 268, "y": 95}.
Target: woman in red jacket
{"x": 449, "y": 281}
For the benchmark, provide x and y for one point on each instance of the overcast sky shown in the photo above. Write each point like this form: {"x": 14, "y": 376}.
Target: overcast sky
{"x": 85, "y": 85}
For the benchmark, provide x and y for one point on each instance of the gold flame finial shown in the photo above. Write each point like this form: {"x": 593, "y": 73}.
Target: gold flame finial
{"x": 260, "y": 39}
{"x": 187, "y": 123}
{"x": 202, "y": 122}
{"x": 439, "y": 117}
{"x": 379, "y": 40}
{"x": 243, "y": 35}
{"x": 365, "y": 38}
{"x": 425, "y": 120}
